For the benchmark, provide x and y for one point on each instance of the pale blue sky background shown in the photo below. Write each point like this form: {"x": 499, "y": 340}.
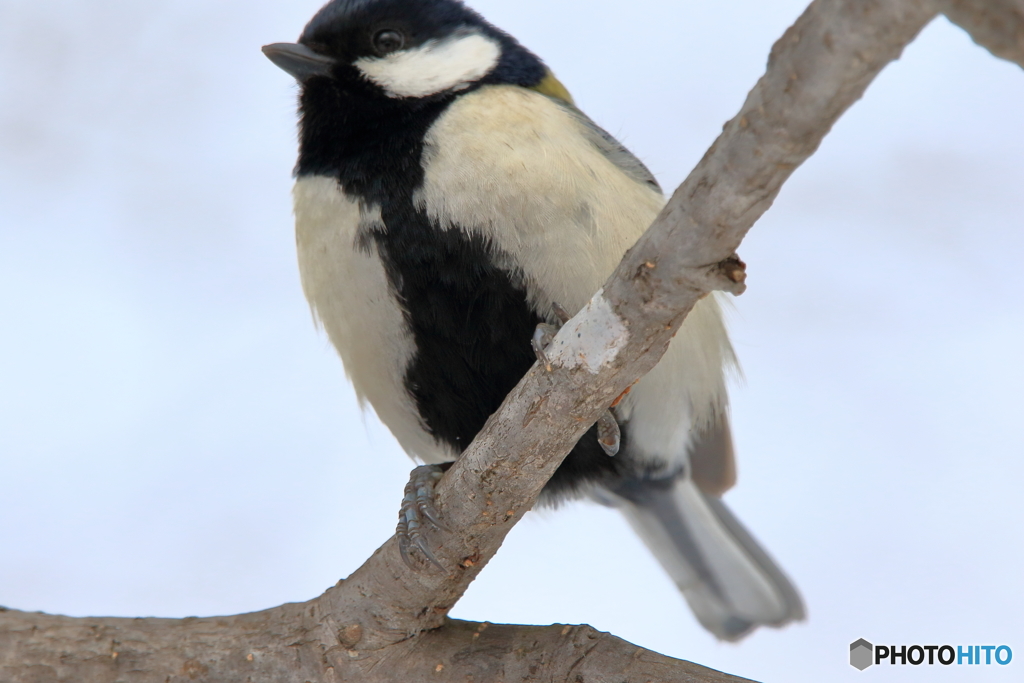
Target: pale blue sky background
{"x": 176, "y": 438}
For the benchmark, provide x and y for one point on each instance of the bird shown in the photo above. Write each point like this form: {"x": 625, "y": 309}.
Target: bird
{"x": 452, "y": 207}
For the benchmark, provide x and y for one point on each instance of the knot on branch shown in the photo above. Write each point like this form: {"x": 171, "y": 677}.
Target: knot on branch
{"x": 728, "y": 275}
{"x": 350, "y": 636}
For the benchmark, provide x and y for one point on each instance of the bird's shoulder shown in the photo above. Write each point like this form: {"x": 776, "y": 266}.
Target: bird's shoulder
{"x": 542, "y": 116}
{"x": 528, "y": 172}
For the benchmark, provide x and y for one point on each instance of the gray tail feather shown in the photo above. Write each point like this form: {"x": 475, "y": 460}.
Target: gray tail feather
{"x": 730, "y": 582}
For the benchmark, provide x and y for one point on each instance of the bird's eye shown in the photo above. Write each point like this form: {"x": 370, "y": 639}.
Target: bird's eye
{"x": 388, "y": 41}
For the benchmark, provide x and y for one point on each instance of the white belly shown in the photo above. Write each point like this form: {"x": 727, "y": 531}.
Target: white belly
{"x": 348, "y": 290}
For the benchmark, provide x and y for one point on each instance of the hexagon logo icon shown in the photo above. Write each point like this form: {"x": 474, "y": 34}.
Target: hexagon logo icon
{"x": 861, "y": 654}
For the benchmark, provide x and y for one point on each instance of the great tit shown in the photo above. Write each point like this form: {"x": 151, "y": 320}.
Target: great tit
{"x": 449, "y": 197}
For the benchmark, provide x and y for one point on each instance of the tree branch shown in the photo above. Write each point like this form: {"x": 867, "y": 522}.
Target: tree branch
{"x": 376, "y": 624}
{"x": 996, "y": 25}
{"x": 285, "y": 645}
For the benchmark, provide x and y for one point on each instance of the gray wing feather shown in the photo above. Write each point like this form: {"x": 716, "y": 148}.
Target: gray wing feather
{"x": 712, "y": 459}
{"x": 612, "y": 149}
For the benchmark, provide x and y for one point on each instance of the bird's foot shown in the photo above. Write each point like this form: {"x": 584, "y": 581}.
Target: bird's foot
{"x": 608, "y": 434}
{"x": 542, "y": 338}
{"x": 418, "y": 509}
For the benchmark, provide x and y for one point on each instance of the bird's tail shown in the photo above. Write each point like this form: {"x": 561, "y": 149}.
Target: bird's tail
{"x": 731, "y": 583}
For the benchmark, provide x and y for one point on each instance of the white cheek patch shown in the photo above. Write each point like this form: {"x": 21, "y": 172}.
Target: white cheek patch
{"x": 451, "y": 64}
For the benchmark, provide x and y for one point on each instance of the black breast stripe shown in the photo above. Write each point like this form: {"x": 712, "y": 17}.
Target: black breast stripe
{"x": 470, "y": 319}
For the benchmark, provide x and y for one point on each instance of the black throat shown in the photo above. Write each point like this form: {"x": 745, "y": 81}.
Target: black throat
{"x": 370, "y": 142}
{"x": 469, "y": 318}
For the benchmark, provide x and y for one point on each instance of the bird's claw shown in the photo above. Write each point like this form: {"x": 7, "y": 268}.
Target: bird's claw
{"x": 560, "y": 313}
{"x": 418, "y": 505}
{"x": 608, "y": 434}
{"x": 542, "y": 338}
{"x": 545, "y": 334}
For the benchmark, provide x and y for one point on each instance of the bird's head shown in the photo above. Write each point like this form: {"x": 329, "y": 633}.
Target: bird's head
{"x": 409, "y": 50}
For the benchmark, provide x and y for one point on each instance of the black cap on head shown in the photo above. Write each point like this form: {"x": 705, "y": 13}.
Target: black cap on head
{"x": 346, "y": 31}
{"x": 345, "y": 28}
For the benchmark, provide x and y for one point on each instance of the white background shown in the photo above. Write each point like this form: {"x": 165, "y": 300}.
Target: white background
{"x": 177, "y": 439}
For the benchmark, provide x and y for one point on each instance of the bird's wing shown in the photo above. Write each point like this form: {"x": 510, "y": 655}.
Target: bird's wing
{"x": 712, "y": 461}
{"x": 613, "y": 150}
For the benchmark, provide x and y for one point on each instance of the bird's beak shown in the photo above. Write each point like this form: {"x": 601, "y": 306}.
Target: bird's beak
{"x": 298, "y": 60}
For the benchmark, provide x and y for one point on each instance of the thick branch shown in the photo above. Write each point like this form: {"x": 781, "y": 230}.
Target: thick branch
{"x": 997, "y": 25}
{"x": 283, "y": 645}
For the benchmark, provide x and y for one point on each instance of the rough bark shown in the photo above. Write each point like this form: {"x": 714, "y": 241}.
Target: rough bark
{"x": 387, "y": 621}
{"x": 997, "y": 25}
{"x": 288, "y": 644}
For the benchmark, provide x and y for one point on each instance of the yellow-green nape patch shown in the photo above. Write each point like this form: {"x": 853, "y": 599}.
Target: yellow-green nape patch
{"x": 552, "y": 87}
